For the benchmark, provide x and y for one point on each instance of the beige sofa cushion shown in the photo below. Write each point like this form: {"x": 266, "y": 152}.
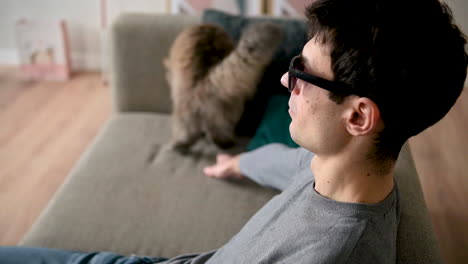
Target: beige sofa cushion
{"x": 129, "y": 195}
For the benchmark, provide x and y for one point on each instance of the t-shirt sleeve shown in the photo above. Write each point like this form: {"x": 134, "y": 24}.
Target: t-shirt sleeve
{"x": 273, "y": 165}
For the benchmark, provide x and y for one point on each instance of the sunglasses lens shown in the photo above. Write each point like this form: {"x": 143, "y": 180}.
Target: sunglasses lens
{"x": 292, "y": 82}
{"x": 297, "y": 65}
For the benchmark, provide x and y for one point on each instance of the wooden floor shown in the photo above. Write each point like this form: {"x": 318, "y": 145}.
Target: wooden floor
{"x": 45, "y": 127}
{"x": 441, "y": 157}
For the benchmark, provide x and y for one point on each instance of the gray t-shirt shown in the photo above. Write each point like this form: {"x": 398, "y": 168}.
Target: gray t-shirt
{"x": 301, "y": 226}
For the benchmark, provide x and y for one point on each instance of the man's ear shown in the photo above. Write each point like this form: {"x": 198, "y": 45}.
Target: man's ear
{"x": 362, "y": 117}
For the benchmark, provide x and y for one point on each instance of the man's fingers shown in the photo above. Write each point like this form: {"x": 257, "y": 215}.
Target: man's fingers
{"x": 208, "y": 171}
{"x": 213, "y": 171}
{"x": 222, "y": 169}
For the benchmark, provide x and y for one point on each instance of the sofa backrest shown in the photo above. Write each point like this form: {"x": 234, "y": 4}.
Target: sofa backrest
{"x": 138, "y": 45}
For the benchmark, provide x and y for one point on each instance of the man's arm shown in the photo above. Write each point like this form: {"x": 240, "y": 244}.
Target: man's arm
{"x": 273, "y": 165}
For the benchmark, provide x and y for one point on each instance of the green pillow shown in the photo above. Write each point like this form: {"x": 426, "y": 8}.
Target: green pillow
{"x": 274, "y": 126}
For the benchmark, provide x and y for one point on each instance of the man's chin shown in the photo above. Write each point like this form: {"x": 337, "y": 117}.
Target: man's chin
{"x": 292, "y": 134}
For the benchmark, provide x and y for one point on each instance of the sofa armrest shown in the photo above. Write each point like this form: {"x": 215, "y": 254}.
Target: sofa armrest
{"x": 139, "y": 43}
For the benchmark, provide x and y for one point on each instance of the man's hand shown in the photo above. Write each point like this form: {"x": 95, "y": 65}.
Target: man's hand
{"x": 226, "y": 167}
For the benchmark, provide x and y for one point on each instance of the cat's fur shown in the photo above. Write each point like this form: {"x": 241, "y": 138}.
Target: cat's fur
{"x": 211, "y": 80}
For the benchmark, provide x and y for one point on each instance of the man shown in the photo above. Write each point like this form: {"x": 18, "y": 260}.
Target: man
{"x": 373, "y": 74}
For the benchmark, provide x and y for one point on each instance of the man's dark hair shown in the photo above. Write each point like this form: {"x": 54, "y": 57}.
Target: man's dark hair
{"x": 408, "y": 56}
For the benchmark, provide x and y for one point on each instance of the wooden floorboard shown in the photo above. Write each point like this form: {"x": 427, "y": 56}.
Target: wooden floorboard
{"x": 46, "y": 126}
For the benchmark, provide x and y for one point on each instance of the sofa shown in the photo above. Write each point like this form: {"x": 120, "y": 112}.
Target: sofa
{"x": 130, "y": 194}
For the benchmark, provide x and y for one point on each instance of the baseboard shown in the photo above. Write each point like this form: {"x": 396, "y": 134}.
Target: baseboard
{"x": 86, "y": 61}
{"x": 9, "y": 57}
{"x": 79, "y": 61}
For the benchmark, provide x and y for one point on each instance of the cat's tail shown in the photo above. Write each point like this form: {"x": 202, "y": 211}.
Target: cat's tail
{"x": 197, "y": 49}
{"x": 238, "y": 75}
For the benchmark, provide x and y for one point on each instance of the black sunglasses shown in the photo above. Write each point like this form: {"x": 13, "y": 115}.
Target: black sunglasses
{"x": 296, "y": 71}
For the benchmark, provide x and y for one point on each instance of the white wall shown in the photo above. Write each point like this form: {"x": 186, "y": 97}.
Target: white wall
{"x": 460, "y": 13}
{"x": 83, "y": 21}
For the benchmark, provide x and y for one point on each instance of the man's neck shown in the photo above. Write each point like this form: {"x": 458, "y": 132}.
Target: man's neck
{"x": 351, "y": 180}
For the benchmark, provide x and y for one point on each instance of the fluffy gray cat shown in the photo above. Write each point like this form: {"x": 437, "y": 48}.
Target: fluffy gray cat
{"x": 211, "y": 80}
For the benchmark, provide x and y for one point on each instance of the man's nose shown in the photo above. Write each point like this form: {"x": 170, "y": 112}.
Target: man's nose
{"x": 284, "y": 79}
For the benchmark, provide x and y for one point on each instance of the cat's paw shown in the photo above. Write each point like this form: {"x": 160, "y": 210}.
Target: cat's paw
{"x": 180, "y": 147}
